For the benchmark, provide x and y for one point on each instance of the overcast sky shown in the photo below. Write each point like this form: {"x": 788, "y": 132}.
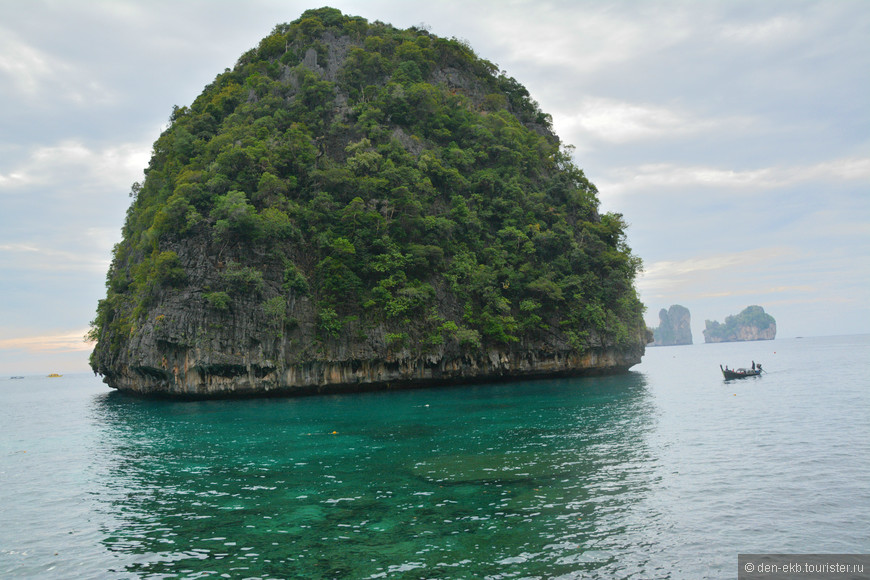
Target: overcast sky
{"x": 733, "y": 136}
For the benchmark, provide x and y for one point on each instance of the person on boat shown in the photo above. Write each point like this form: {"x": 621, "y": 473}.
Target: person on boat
{"x": 753, "y": 365}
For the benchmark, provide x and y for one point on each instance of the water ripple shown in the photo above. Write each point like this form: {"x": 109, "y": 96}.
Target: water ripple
{"x": 666, "y": 473}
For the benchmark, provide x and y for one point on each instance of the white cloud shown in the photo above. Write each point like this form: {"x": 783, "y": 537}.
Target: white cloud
{"x": 772, "y": 30}
{"x": 778, "y": 273}
{"x": 619, "y": 122}
{"x": 672, "y": 276}
{"x": 847, "y": 169}
{"x": 761, "y": 291}
{"x": 600, "y": 37}
{"x": 73, "y": 161}
{"x": 37, "y": 76}
{"x": 12, "y": 179}
{"x": 630, "y": 179}
{"x": 33, "y": 256}
{"x": 72, "y": 341}
{"x": 24, "y": 67}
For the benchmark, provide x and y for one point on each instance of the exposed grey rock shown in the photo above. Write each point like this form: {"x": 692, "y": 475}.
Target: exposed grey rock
{"x": 675, "y": 326}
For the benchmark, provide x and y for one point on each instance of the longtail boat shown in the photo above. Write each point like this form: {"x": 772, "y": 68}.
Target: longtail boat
{"x": 740, "y": 373}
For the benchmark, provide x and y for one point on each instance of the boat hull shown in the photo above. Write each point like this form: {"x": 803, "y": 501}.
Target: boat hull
{"x": 739, "y": 373}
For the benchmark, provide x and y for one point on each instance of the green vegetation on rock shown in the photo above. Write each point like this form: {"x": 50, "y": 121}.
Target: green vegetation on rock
{"x": 348, "y": 180}
{"x": 753, "y": 323}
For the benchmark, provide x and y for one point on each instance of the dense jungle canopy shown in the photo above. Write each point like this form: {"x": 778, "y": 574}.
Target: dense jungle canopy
{"x": 388, "y": 178}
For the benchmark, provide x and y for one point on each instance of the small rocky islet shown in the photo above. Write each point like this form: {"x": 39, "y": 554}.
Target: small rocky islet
{"x": 355, "y": 206}
{"x": 675, "y": 327}
{"x": 752, "y": 323}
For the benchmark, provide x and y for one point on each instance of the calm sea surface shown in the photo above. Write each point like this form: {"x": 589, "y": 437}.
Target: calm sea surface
{"x": 667, "y": 472}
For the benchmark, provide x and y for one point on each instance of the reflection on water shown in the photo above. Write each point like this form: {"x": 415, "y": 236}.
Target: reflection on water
{"x": 546, "y": 478}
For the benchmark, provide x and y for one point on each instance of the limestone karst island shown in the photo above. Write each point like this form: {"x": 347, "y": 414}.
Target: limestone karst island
{"x": 355, "y": 206}
{"x": 753, "y": 323}
{"x": 675, "y": 327}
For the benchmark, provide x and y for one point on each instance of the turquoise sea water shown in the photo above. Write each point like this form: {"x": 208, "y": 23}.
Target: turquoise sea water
{"x": 667, "y": 472}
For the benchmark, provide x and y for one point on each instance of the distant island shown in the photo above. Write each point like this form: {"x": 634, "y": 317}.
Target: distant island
{"x": 751, "y": 324}
{"x": 675, "y": 327}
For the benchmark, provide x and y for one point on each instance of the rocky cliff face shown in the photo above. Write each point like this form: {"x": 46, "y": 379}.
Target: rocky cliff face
{"x": 751, "y": 324}
{"x": 216, "y": 366}
{"x": 355, "y": 206}
{"x": 675, "y": 326}
{"x": 186, "y": 347}
{"x": 745, "y": 333}
{"x": 756, "y": 333}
